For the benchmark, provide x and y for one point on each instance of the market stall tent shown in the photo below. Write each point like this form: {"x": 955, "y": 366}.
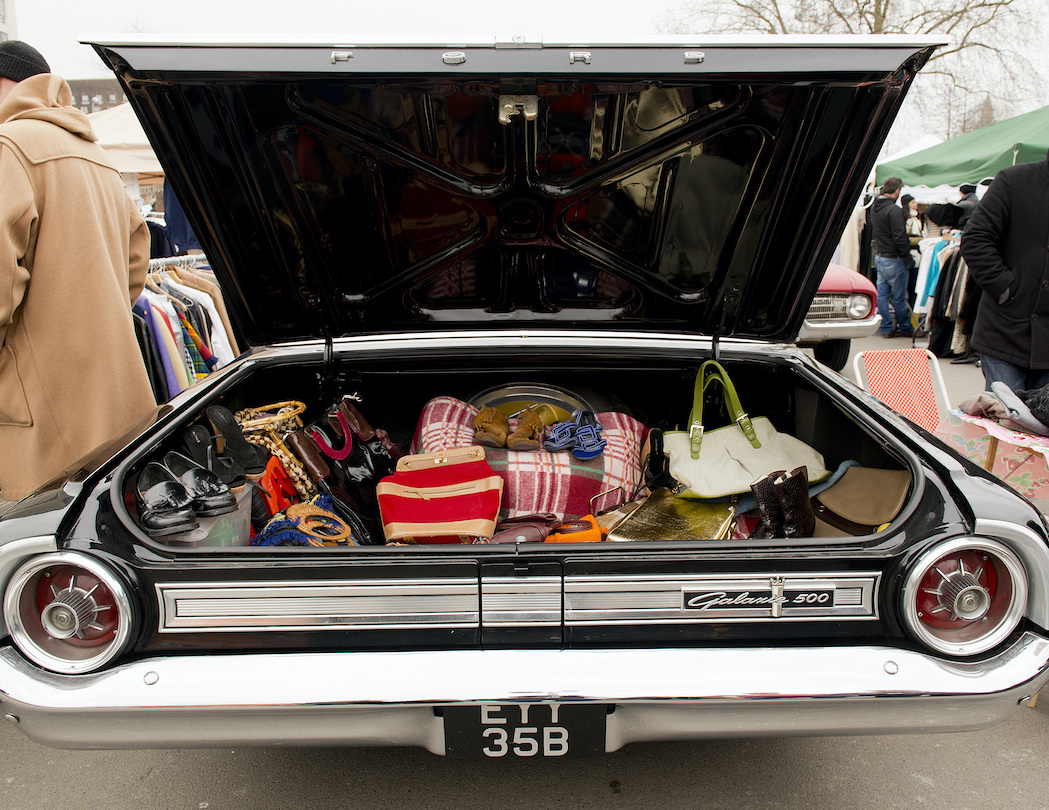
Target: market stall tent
{"x": 124, "y": 140}
{"x": 976, "y": 155}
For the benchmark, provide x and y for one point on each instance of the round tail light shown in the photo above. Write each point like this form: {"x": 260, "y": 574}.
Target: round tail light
{"x": 67, "y": 612}
{"x": 965, "y": 596}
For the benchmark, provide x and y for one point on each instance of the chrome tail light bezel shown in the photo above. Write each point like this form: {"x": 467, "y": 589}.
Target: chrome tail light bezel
{"x": 1000, "y": 618}
{"x": 28, "y": 626}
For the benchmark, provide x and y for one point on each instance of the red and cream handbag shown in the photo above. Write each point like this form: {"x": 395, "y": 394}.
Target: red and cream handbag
{"x": 447, "y": 497}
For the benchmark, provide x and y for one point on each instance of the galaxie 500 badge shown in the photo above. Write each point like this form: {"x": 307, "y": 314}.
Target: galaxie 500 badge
{"x": 773, "y": 597}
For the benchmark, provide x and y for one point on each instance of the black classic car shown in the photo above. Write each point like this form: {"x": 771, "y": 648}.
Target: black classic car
{"x": 579, "y": 224}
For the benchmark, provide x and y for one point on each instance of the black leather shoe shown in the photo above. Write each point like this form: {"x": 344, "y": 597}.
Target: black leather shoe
{"x": 210, "y": 496}
{"x": 164, "y": 505}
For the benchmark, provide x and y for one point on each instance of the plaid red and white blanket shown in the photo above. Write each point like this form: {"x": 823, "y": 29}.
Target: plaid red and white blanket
{"x": 540, "y": 481}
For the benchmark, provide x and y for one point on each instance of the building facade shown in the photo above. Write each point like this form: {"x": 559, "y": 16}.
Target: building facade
{"x": 92, "y": 95}
{"x": 7, "y": 20}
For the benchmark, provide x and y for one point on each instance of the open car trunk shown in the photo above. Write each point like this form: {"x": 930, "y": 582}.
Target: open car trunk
{"x": 653, "y": 387}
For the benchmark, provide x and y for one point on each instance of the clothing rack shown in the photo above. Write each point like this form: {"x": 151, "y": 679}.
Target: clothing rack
{"x": 189, "y": 260}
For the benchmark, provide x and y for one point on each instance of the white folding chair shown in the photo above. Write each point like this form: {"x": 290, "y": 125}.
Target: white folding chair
{"x": 907, "y": 380}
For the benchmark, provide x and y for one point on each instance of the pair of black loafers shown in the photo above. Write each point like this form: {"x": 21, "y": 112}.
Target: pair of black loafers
{"x": 173, "y": 494}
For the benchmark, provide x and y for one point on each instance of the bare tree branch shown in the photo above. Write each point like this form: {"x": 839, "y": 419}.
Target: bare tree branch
{"x": 983, "y": 71}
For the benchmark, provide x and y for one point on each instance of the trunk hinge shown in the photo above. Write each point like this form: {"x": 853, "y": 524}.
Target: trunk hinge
{"x": 715, "y": 349}
{"x": 326, "y": 379}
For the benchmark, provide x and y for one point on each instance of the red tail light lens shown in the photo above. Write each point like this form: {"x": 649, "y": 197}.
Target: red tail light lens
{"x": 965, "y": 596}
{"x": 67, "y": 612}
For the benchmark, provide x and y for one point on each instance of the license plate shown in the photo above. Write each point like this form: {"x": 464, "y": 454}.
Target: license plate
{"x": 501, "y": 730}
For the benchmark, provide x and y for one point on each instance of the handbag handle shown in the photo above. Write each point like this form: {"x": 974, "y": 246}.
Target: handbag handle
{"x": 713, "y": 371}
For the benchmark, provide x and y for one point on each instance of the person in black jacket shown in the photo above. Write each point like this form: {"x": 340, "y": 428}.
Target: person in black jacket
{"x": 968, "y": 203}
{"x": 1006, "y": 247}
{"x": 892, "y": 259}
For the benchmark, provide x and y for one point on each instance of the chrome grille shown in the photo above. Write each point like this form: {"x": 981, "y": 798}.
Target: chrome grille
{"x": 829, "y": 307}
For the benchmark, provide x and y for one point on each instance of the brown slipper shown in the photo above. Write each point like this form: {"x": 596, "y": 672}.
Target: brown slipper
{"x": 529, "y": 432}
{"x": 490, "y": 428}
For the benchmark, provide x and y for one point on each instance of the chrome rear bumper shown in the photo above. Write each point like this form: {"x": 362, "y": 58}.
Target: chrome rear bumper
{"x": 389, "y": 698}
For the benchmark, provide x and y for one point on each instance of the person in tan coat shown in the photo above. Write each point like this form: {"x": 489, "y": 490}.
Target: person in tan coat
{"x": 74, "y": 251}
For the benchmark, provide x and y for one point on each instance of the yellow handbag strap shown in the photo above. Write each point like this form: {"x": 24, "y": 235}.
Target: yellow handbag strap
{"x": 712, "y": 371}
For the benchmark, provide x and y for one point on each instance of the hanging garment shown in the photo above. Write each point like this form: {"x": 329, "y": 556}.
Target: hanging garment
{"x": 171, "y": 384}
{"x": 195, "y": 279}
{"x": 219, "y": 339}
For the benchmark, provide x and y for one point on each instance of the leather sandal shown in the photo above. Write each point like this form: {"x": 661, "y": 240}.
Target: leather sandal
{"x": 656, "y": 464}
{"x": 562, "y": 435}
{"x": 233, "y": 444}
{"x": 197, "y": 440}
{"x": 529, "y": 433}
{"x": 164, "y": 505}
{"x": 209, "y": 495}
{"x": 588, "y": 443}
{"x": 229, "y": 471}
{"x": 490, "y": 427}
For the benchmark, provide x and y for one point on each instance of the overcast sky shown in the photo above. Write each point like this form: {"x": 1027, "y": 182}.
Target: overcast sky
{"x": 55, "y": 26}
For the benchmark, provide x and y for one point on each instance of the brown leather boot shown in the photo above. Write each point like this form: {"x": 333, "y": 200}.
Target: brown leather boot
{"x": 792, "y": 491}
{"x": 529, "y": 432}
{"x": 768, "y": 506}
{"x": 490, "y": 428}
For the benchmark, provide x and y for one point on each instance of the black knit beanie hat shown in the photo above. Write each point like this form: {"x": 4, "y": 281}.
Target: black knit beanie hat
{"x": 19, "y": 61}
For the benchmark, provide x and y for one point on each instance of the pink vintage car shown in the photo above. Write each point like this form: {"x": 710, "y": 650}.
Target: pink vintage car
{"x": 845, "y": 307}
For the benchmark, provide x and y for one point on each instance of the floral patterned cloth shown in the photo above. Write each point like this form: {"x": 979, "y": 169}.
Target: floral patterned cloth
{"x": 1021, "y": 458}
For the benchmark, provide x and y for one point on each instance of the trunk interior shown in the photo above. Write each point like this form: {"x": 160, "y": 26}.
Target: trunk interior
{"x": 655, "y": 390}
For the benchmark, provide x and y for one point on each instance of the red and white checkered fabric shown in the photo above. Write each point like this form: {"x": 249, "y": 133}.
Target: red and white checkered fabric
{"x": 902, "y": 379}
{"x": 540, "y": 481}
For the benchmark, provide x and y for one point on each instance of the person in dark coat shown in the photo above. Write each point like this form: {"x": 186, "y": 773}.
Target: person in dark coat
{"x": 892, "y": 260}
{"x": 968, "y": 203}
{"x": 1005, "y": 248}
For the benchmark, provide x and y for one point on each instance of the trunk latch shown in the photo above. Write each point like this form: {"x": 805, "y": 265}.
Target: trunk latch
{"x": 511, "y": 105}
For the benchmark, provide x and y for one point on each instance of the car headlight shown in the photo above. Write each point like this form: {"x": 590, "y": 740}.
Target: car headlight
{"x": 67, "y": 612}
{"x": 965, "y": 596}
{"x": 859, "y": 306}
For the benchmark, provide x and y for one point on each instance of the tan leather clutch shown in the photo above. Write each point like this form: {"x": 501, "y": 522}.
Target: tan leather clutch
{"x": 863, "y": 499}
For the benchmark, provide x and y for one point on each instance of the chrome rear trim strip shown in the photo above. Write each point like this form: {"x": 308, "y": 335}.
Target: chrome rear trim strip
{"x": 832, "y": 596}
{"x": 360, "y": 605}
{"x": 520, "y": 601}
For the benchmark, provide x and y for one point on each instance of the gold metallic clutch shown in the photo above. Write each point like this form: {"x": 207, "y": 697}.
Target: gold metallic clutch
{"x": 665, "y": 516}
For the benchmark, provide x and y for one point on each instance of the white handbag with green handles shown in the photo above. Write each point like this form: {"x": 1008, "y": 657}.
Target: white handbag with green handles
{"x": 727, "y": 460}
